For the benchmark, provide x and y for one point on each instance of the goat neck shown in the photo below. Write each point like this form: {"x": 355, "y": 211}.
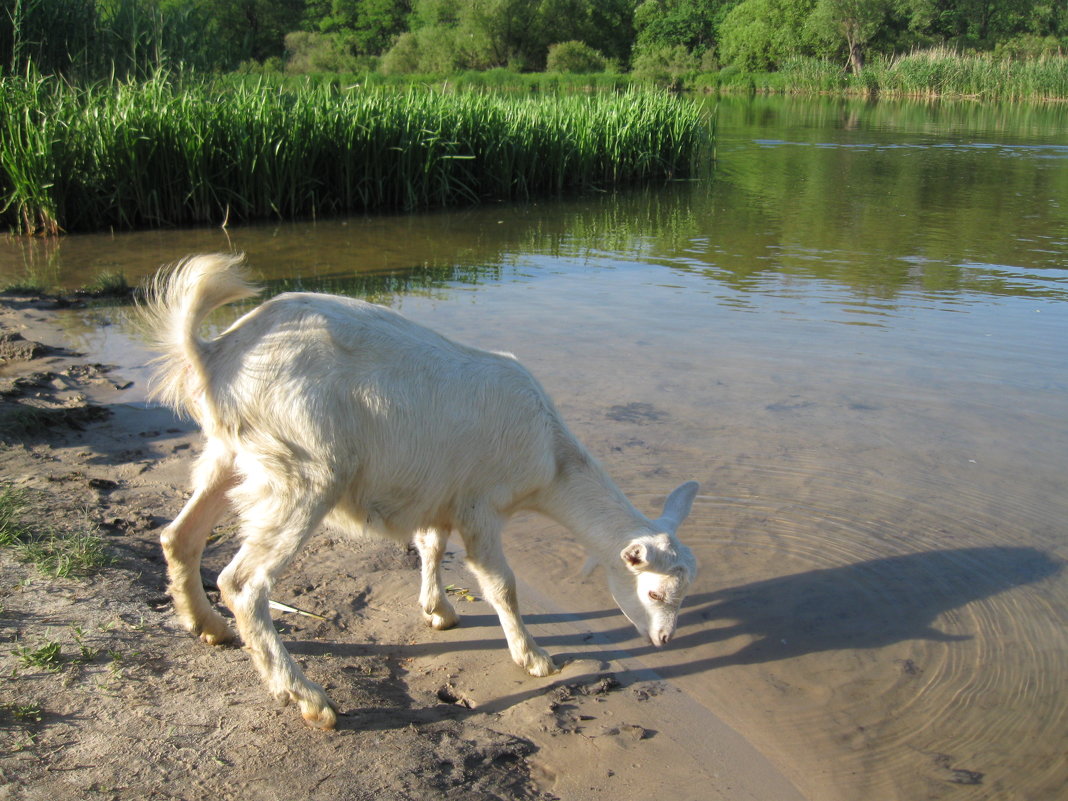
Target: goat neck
{"x": 584, "y": 499}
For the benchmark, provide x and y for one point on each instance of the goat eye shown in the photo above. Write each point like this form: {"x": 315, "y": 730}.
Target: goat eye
{"x": 656, "y": 596}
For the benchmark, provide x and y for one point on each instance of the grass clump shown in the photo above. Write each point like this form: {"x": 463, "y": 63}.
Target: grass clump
{"x": 21, "y": 713}
{"x": 48, "y": 657}
{"x": 24, "y": 286}
{"x": 64, "y": 554}
{"x": 945, "y": 72}
{"x": 56, "y": 553}
{"x": 131, "y": 155}
{"x": 108, "y": 284}
{"x": 17, "y": 724}
{"x": 13, "y": 501}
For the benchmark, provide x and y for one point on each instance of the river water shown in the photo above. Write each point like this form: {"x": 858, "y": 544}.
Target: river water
{"x": 856, "y": 338}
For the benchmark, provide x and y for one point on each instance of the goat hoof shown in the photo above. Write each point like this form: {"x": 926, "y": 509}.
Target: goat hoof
{"x": 215, "y": 638}
{"x": 541, "y": 665}
{"x": 319, "y": 717}
{"x": 216, "y": 635}
{"x": 315, "y": 705}
{"x": 442, "y": 622}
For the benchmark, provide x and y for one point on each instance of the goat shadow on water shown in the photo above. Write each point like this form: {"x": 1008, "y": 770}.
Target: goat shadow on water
{"x": 858, "y": 606}
{"x": 864, "y": 605}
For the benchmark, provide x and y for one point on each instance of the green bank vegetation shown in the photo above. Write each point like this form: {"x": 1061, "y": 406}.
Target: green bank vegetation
{"x": 937, "y": 72}
{"x": 157, "y": 152}
{"x": 933, "y": 73}
{"x": 961, "y": 47}
{"x": 135, "y": 113}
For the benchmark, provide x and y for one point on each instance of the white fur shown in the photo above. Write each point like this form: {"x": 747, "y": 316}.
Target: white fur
{"x": 319, "y": 408}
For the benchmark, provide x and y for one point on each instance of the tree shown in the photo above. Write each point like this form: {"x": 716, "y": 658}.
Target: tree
{"x": 693, "y": 24}
{"x": 984, "y": 23}
{"x": 761, "y": 34}
{"x": 480, "y": 33}
{"x": 255, "y": 29}
{"x": 370, "y": 25}
{"x": 518, "y": 33}
{"x": 604, "y": 25}
{"x": 854, "y": 21}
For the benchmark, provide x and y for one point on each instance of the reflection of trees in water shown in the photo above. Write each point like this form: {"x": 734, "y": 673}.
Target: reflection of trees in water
{"x": 886, "y": 197}
{"x": 881, "y": 198}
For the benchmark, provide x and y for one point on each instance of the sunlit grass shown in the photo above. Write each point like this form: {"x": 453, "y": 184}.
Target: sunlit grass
{"x": 60, "y": 554}
{"x": 935, "y": 72}
{"x": 943, "y": 71}
{"x": 125, "y": 155}
{"x": 108, "y": 283}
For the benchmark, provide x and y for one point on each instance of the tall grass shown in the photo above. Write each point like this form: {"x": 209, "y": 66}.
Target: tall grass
{"x": 936, "y": 72}
{"x": 943, "y": 71}
{"x": 82, "y": 39}
{"x": 126, "y": 155}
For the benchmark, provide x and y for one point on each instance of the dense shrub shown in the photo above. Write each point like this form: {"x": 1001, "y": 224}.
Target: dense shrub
{"x": 321, "y": 52}
{"x": 402, "y": 58}
{"x": 575, "y": 57}
{"x": 666, "y": 66}
{"x": 1030, "y": 46}
{"x": 437, "y": 50}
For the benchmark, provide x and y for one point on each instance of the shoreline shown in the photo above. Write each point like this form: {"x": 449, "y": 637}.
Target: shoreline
{"x": 139, "y": 707}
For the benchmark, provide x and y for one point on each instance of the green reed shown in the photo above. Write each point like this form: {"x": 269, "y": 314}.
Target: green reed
{"x": 127, "y": 155}
{"x": 942, "y": 71}
{"x": 937, "y": 72}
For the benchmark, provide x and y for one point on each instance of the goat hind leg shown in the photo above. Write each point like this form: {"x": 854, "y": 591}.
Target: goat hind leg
{"x": 273, "y": 534}
{"x": 183, "y": 545}
{"x": 437, "y": 611}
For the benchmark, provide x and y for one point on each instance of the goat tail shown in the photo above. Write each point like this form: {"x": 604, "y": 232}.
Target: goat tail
{"x": 172, "y": 307}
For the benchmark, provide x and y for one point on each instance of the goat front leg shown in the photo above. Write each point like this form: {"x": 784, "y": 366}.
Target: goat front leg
{"x": 485, "y": 557}
{"x": 272, "y": 537}
{"x": 183, "y": 545}
{"x": 437, "y": 611}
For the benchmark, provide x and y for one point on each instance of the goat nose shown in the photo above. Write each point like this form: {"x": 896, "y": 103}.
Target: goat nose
{"x": 660, "y": 638}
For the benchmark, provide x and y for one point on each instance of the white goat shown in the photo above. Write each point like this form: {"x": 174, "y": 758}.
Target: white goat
{"x": 319, "y": 408}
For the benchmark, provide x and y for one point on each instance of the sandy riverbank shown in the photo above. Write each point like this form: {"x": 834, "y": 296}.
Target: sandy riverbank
{"x": 139, "y": 709}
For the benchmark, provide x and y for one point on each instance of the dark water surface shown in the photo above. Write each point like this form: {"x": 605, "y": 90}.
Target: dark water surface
{"x": 856, "y": 339}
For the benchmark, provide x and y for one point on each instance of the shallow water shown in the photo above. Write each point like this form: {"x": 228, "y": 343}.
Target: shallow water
{"x": 854, "y": 338}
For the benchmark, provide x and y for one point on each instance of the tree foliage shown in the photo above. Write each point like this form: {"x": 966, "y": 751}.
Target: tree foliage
{"x": 137, "y": 37}
{"x": 693, "y": 24}
{"x": 761, "y": 34}
{"x": 480, "y": 34}
{"x": 855, "y": 22}
{"x": 370, "y": 26}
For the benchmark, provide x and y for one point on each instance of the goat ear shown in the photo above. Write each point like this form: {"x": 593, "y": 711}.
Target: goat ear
{"x": 635, "y": 556}
{"x": 677, "y": 506}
